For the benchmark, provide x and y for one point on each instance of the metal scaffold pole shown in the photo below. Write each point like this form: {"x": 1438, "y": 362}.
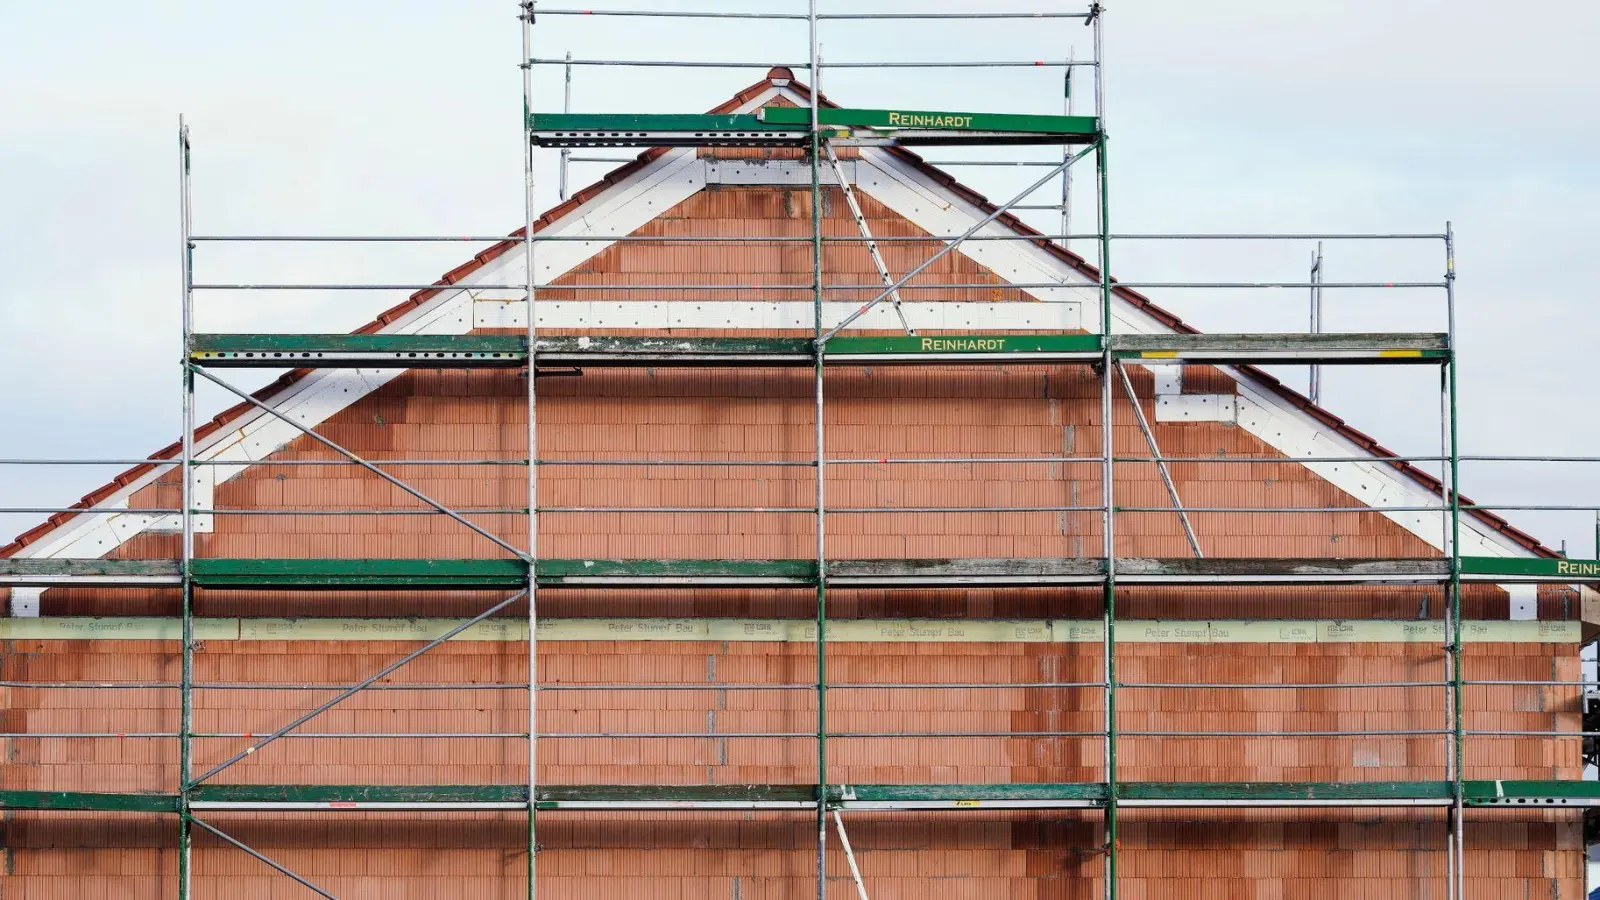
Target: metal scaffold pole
{"x": 821, "y": 455}
{"x": 1066, "y": 156}
{"x": 1108, "y": 466}
{"x": 1315, "y": 325}
{"x": 186, "y": 475}
{"x": 1452, "y": 487}
{"x": 566, "y": 152}
{"x": 1451, "y": 645}
{"x": 532, "y": 587}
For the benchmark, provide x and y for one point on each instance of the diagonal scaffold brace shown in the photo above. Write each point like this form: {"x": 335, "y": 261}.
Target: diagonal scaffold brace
{"x": 850, "y": 856}
{"x": 348, "y": 454}
{"x": 363, "y": 685}
{"x": 269, "y": 861}
{"x": 1161, "y": 461}
{"x": 983, "y": 223}
{"x": 866, "y": 234}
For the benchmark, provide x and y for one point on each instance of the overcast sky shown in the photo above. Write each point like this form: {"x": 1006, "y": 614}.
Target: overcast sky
{"x": 402, "y": 117}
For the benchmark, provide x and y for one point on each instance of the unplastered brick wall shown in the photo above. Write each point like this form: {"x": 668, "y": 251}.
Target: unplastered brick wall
{"x": 873, "y": 415}
{"x": 1192, "y": 855}
{"x": 1063, "y": 721}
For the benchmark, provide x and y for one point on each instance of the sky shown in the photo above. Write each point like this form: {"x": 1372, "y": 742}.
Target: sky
{"x": 403, "y": 117}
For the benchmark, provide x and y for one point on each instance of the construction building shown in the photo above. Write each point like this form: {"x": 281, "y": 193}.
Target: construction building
{"x": 852, "y": 538}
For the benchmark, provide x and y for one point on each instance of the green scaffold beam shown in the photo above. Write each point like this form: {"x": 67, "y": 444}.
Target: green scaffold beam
{"x": 510, "y": 350}
{"x": 1083, "y": 128}
{"x": 1524, "y": 569}
{"x": 887, "y": 797}
{"x": 462, "y": 574}
{"x": 470, "y": 574}
{"x": 86, "y": 801}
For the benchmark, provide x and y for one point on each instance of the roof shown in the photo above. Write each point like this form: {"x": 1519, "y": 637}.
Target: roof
{"x": 776, "y": 77}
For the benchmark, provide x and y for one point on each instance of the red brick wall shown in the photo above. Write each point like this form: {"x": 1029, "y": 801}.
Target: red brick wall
{"x": 871, "y": 413}
{"x": 676, "y": 856}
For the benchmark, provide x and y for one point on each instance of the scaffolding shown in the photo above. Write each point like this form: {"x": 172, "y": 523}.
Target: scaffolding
{"x": 817, "y": 131}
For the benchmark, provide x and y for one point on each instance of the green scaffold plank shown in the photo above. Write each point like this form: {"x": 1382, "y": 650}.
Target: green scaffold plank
{"x": 1285, "y": 791}
{"x": 359, "y": 793}
{"x": 886, "y": 119}
{"x": 959, "y": 793}
{"x": 1531, "y": 793}
{"x": 359, "y": 573}
{"x": 1552, "y": 569}
{"x": 1084, "y": 344}
{"x": 559, "y": 796}
{"x": 78, "y": 800}
{"x": 361, "y": 343}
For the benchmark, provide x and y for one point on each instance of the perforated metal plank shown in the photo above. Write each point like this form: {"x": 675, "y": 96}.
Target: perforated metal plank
{"x": 967, "y": 796}
{"x": 1322, "y": 349}
{"x": 372, "y": 798}
{"x": 1223, "y": 570}
{"x": 671, "y": 351}
{"x": 1285, "y": 794}
{"x": 661, "y": 130}
{"x": 358, "y": 350}
{"x": 1531, "y": 793}
{"x": 675, "y": 572}
{"x": 1021, "y": 572}
{"x": 685, "y": 797}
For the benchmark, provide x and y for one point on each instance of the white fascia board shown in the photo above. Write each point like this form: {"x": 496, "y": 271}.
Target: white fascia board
{"x": 735, "y": 315}
{"x": 1293, "y": 433}
{"x": 669, "y": 180}
{"x": 665, "y": 182}
{"x": 909, "y": 192}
